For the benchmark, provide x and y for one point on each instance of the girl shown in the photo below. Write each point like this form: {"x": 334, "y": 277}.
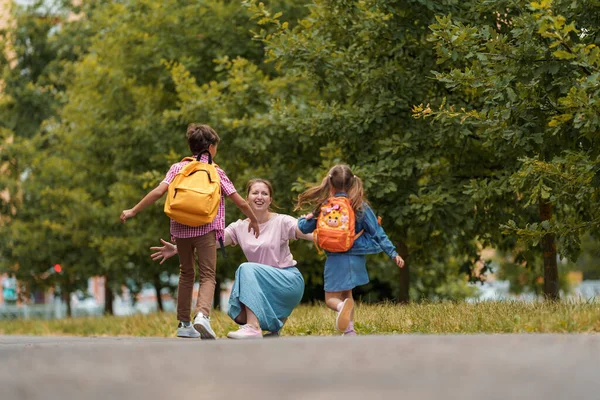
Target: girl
{"x": 344, "y": 271}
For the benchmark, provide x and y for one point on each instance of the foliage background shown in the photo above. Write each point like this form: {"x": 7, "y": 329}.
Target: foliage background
{"x": 462, "y": 117}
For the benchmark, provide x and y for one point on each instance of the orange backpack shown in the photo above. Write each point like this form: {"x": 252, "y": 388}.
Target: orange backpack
{"x": 195, "y": 193}
{"x": 335, "y": 226}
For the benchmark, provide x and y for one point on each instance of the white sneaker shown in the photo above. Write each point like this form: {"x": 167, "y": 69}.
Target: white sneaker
{"x": 187, "y": 331}
{"x": 246, "y": 332}
{"x": 343, "y": 317}
{"x": 202, "y": 325}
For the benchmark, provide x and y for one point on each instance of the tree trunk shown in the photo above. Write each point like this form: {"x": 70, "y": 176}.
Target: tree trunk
{"x": 108, "y": 297}
{"x": 404, "y": 295}
{"x": 66, "y": 296}
{"x": 158, "y": 287}
{"x": 549, "y": 250}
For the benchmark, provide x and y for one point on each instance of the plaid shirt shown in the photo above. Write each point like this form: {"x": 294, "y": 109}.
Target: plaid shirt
{"x": 218, "y": 225}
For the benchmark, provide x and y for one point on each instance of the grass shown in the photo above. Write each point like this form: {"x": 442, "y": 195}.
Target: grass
{"x": 385, "y": 318}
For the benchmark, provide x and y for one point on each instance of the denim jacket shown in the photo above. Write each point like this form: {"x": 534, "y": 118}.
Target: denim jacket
{"x": 372, "y": 241}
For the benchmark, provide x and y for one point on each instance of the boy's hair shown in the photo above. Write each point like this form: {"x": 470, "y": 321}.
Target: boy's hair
{"x": 200, "y": 137}
{"x": 251, "y": 183}
{"x": 341, "y": 179}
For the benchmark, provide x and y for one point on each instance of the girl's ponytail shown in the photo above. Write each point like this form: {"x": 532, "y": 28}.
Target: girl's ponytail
{"x": 341, "y": 179}
{"x": 356, "y": 194}
{"x": 315, "y": 196}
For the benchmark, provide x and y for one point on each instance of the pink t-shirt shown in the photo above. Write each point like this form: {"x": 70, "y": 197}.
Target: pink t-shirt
{"x": 272, "y": 247}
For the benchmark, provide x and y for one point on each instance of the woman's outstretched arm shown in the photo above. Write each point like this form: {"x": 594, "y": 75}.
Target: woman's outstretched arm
{"x": 163, "y": 253}
{"x": 168, "y": 249}
{"x": 305, "y": 236}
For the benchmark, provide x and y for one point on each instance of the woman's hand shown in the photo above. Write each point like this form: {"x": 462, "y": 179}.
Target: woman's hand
{"x": 164, "y": 252}
{"x": 399, "y": 261}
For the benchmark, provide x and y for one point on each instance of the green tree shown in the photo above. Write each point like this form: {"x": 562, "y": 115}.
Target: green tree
{"x": 36, "y": 228}
{"x": 589, "y": 260}
{"x": 117, "y": 116}
{"x": 358, "y": 67}
{"x": 529, "y": 73}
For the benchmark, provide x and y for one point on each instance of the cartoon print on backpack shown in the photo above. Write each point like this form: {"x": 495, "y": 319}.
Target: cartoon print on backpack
{"x": 335, "y": 226}
{"x": 334, "y": 216}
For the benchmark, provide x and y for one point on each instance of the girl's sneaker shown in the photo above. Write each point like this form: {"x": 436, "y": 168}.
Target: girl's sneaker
{"x": 186, "y": 330}
{"x": 246, "y": 332}
{"x": 350, "y": 330}
{"x": 202, "y": 325}
{"x": 343, "y": 318}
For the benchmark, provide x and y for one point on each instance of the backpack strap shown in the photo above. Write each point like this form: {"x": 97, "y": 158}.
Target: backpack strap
{"x": 316, "y": 242}
{"x": 222, "y": 247}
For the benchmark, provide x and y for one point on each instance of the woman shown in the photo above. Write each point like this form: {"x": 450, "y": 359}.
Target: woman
{"x": 267, "y": 287}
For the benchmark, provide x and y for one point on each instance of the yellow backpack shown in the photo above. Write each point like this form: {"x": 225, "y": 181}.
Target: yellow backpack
{"x": 195, "y": 193}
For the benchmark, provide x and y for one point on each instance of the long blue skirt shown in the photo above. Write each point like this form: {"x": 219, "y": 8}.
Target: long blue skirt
{"x": 270, "y": 293}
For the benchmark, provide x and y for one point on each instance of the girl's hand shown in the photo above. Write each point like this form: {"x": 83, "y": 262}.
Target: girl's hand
{"x": 308, "y": 216}
{"x": 164, "y": 252}
{"x": 399, "y": 261}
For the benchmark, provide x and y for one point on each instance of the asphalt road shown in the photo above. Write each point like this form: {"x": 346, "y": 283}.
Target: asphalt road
{"x": 482, "y": 367}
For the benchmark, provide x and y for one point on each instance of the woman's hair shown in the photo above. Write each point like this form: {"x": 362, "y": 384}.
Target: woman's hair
{"x": 200, "y": 137}
{"x": 251, "y": 183}
{"x": 341, "y": 179}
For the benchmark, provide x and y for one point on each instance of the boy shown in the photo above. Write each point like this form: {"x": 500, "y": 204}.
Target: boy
{"x": 203, "y": 239}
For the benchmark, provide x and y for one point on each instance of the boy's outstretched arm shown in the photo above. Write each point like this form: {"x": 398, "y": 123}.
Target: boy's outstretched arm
{"x": 150, "y": 198}
{"x": 245, "y": 208}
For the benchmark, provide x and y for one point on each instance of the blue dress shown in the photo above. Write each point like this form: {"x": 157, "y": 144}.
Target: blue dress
{"x": 345, "y": 271}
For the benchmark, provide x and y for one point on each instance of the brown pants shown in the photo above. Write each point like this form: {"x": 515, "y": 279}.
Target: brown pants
{"x": 206, "y": 249}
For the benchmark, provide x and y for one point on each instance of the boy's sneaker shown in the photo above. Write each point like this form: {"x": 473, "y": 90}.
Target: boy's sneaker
{"x": 246, "y": 332}
{"x": 343, "y": 318}
{"x": 202, "y": 325}
{"x": 186, "y": 330}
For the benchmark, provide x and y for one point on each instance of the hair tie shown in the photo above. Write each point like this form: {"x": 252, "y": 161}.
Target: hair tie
{"x": 354, "y": 176}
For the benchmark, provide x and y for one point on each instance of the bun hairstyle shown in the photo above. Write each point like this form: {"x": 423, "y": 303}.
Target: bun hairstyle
{"x": 200, "y": 137}
{"x": 339, "y": 178}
